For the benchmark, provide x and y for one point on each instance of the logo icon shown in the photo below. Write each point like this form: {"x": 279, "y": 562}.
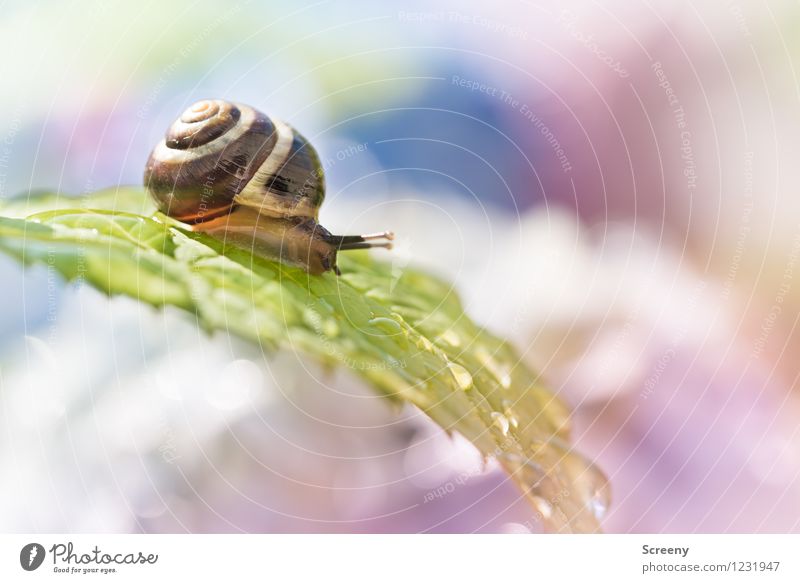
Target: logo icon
{"x": 31, "y": 556}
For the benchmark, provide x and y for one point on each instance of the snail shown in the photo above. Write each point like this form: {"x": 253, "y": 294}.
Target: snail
{"x": 230, "y": 171}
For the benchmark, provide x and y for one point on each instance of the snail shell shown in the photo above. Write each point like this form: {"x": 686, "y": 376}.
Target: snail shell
{"x": 231, "y": 171}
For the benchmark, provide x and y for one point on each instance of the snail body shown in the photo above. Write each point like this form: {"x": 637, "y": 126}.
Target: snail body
{"x": 234, "y": 173}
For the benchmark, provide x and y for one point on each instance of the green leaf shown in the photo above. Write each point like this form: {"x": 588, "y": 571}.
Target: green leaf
{"x": 402, "y": 330}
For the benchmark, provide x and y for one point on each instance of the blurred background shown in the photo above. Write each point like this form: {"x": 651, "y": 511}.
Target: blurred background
{"x": 611, "y": 184}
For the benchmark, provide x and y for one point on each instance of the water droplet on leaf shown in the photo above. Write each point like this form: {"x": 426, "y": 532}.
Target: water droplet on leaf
{"x": 386, "y": 325}
{"x": 569, "y": 492}
{"x": 501, "y": 421}
{"x": 462, "y": 376}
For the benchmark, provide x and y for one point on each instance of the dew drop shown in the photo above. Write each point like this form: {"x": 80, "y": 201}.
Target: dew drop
{"x": 599, "y": 506}
{"x": 509, "y": 413}
{"x": 462, "y": 376}
{"x": 501, "y": 421}
{"x": 386, "y": 325}
{"x": 570, "y": 493}
{"x": 588, "y": 482}
{"x": 600, "y": 497}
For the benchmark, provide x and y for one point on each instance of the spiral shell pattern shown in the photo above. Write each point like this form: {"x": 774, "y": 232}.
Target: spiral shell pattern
{"x": 202, "y": 123}
{"x": 218, "y": 155}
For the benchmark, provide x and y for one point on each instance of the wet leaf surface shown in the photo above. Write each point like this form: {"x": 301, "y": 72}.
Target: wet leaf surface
{"x": 403, "y": 331}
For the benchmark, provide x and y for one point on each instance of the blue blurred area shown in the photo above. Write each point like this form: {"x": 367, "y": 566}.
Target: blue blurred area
{"x": 448, "y": 140}
{"x": 108, "y": 85}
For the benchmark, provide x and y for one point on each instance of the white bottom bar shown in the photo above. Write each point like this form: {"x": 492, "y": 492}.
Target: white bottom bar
{"x": 371, "y": 558}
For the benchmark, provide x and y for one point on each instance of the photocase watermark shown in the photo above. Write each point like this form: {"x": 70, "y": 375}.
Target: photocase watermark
{"x": 679, "y": 115}
{"x": 6, "y": 146}
{"x": 738, "y": 16}
{"x": 344, "y": 153}
{"x": 184, "y": 53}
{"x": 66, "y": 560}
{"x": 651, "y": 382}
{"x": 207, "y": 189}
{"x": 744, "y": 227}
{"x": 463, "y": 477}
{"x": 460, "y": 18}
{"x": 54, "y": 263}
{"x": 52, "y": 291}
{"x": 31, "y": 556}
{"x": 448, "y": 487}
{"x": 316, "y": 177}
{"x": 81, "y": 264}
{"x": 661, "y": 365}
{"x": 326, "y": 329}
{"x": 168, "y": 449}
{"x": 568, "y": 20}
{"x": 612, "y": 357}
{"x": 543, "y": 512}
{"x": 770, "y": 320}
{"x": 523, "y": 109}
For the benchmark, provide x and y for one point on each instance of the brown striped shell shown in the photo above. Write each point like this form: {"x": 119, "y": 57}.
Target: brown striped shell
{"x": 236, "y": 175}
{"x": 219, "y": 155}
